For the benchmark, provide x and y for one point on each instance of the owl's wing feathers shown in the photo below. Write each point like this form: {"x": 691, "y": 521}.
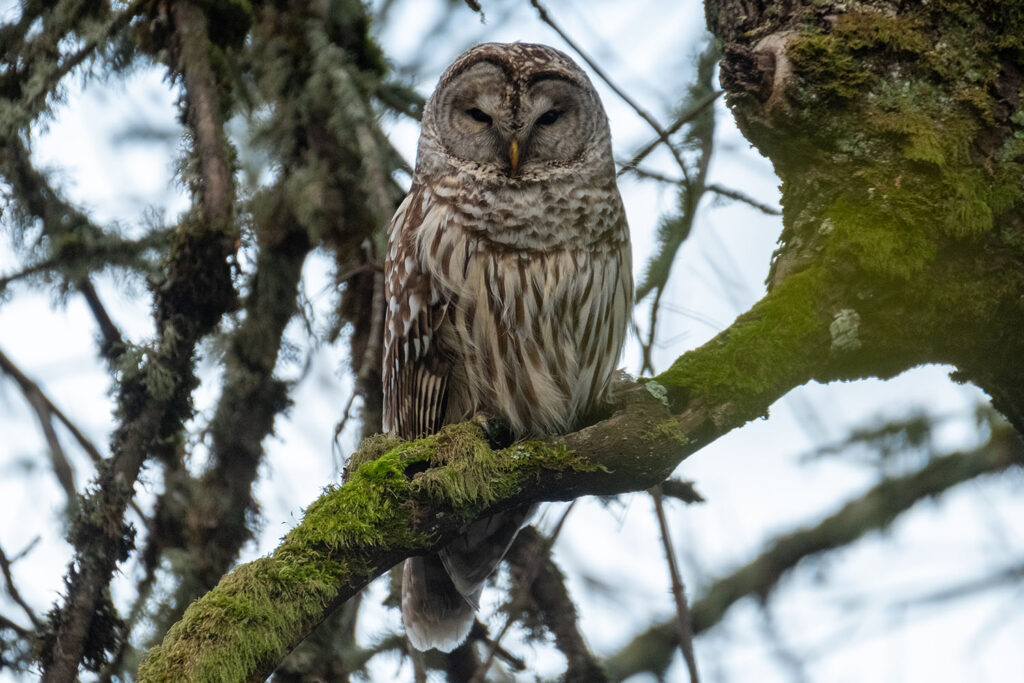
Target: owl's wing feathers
{"x": 416, "y": 366}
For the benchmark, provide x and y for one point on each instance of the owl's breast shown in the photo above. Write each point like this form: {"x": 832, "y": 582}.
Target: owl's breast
{"x": 559, "y": 212}
{"x": 535, "y": 332}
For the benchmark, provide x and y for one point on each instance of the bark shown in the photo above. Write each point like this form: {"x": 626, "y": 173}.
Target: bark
{"x": 898, "y": 135}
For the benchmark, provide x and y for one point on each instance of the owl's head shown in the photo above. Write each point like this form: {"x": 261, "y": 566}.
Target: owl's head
{"x": 515, "y": 110}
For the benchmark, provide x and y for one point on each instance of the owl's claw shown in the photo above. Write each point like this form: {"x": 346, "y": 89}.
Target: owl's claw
{"x": 497, "y": 430}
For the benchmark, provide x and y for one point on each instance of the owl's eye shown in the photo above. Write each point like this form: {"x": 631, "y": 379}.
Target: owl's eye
{"x": 548, "y": 117}
{"x": 478, "y": 115}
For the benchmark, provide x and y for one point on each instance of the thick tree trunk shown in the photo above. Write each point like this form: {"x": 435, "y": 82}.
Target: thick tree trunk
{"x": 898, "y": 133}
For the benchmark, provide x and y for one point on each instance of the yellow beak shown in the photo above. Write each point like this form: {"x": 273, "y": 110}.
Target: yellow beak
{"x": 513, "y": 155}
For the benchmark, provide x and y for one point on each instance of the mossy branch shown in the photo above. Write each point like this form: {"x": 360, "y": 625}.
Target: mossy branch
{"x": 384, "y": 513}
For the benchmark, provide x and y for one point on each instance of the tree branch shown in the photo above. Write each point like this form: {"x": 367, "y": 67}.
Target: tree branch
{"x": 380, "y": 516}
{"x": 531, "y": 555}
{"x": 663, "y": 135}
{"x": 12, "y": 591}
{"x": 652, "y": 650}
{"x": 154, "y": 398}
{"x": 684, "y": 626}
{"x": 44, "y": 411}
{"x": 743, "y": 197}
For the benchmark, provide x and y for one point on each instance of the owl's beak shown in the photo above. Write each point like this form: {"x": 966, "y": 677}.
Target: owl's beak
{"x": 513, "y": 155}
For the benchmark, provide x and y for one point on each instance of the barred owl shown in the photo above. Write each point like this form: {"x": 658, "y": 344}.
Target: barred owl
{"x": 508, "y": 285}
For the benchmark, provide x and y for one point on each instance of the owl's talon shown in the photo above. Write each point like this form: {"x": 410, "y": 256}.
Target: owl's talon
{"x": 497, "y": 430}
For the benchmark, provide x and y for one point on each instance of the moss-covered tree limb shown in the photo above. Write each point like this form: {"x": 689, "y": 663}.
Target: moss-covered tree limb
{"x": 899, "y": 138}
{"x": 356, "y": 532}
{"x": 652, "y": 651}
{"x": 242, "y": 628}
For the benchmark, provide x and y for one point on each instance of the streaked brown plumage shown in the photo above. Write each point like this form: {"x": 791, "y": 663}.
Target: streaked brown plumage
{"x": 508, "y": 284}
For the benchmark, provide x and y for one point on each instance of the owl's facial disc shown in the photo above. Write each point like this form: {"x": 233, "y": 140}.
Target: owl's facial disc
{"x": 488, "y": 116}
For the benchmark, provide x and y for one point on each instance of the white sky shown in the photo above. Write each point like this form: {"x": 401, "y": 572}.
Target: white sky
{"x": 840, "y": 615}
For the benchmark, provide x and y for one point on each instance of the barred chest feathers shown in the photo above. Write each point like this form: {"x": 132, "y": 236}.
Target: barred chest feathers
{"x": 536, "y": 316}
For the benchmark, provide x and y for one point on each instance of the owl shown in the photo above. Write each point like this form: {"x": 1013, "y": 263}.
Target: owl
{"x": 508, "y": 286}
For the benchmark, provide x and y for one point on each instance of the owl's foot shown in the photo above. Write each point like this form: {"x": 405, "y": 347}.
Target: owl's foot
{"x": 497, "y": 430}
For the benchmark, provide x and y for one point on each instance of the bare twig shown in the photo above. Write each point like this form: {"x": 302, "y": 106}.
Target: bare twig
{"x": 684, "y": 625}
{"x": 674, "y": 231}
{"x": 19, "y": 630}
{"x": 645, "y": 172}
{"x": 39, "y": 400}
{"x": 112, "y": 344}
{"x": 663, "y": 135}
{"x": 41, "y": 406}
{"x": 1010, "y": 575}
{"x": 741, "y": 197}
{"x": 647, "y": 347}
{"x": 787, "y": 658}
{"x": 693, "y": 112}
{"x": 529, "y": 576}
{"x": 681, "y": 490}
{"x": 12, "y": 590}
{"x": 554, "y": 605}
{"x": 46, "y": 411}
{"x": 479, "y": 634}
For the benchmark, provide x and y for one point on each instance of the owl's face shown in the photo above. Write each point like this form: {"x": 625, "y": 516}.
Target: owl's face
{"x": 515, "y": 110}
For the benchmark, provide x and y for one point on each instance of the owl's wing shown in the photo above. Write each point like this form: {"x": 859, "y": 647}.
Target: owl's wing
{"x": 416, "y": 366}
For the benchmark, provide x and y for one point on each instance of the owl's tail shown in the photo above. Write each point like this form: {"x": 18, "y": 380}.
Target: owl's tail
{"x": 435, "y": 613}
{"x": 440, "y": 593}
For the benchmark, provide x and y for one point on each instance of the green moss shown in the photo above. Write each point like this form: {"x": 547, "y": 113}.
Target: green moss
{"x": 474, "y": 476}
{"x": 833, "y": 61}
{"x": 877, "y": 30}
{"x": 881, "y": 234}
{"x": 667, "y": 430}
{"x": 371, "y": 509}
{"x": 896, "y": 208}
{"x": 246, "y": 620}
{"x": 782, "y": 335}
{"x": 906, "y": 180}
{"x": 1008, "y": 17}
{"x": 254, "y": 615}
